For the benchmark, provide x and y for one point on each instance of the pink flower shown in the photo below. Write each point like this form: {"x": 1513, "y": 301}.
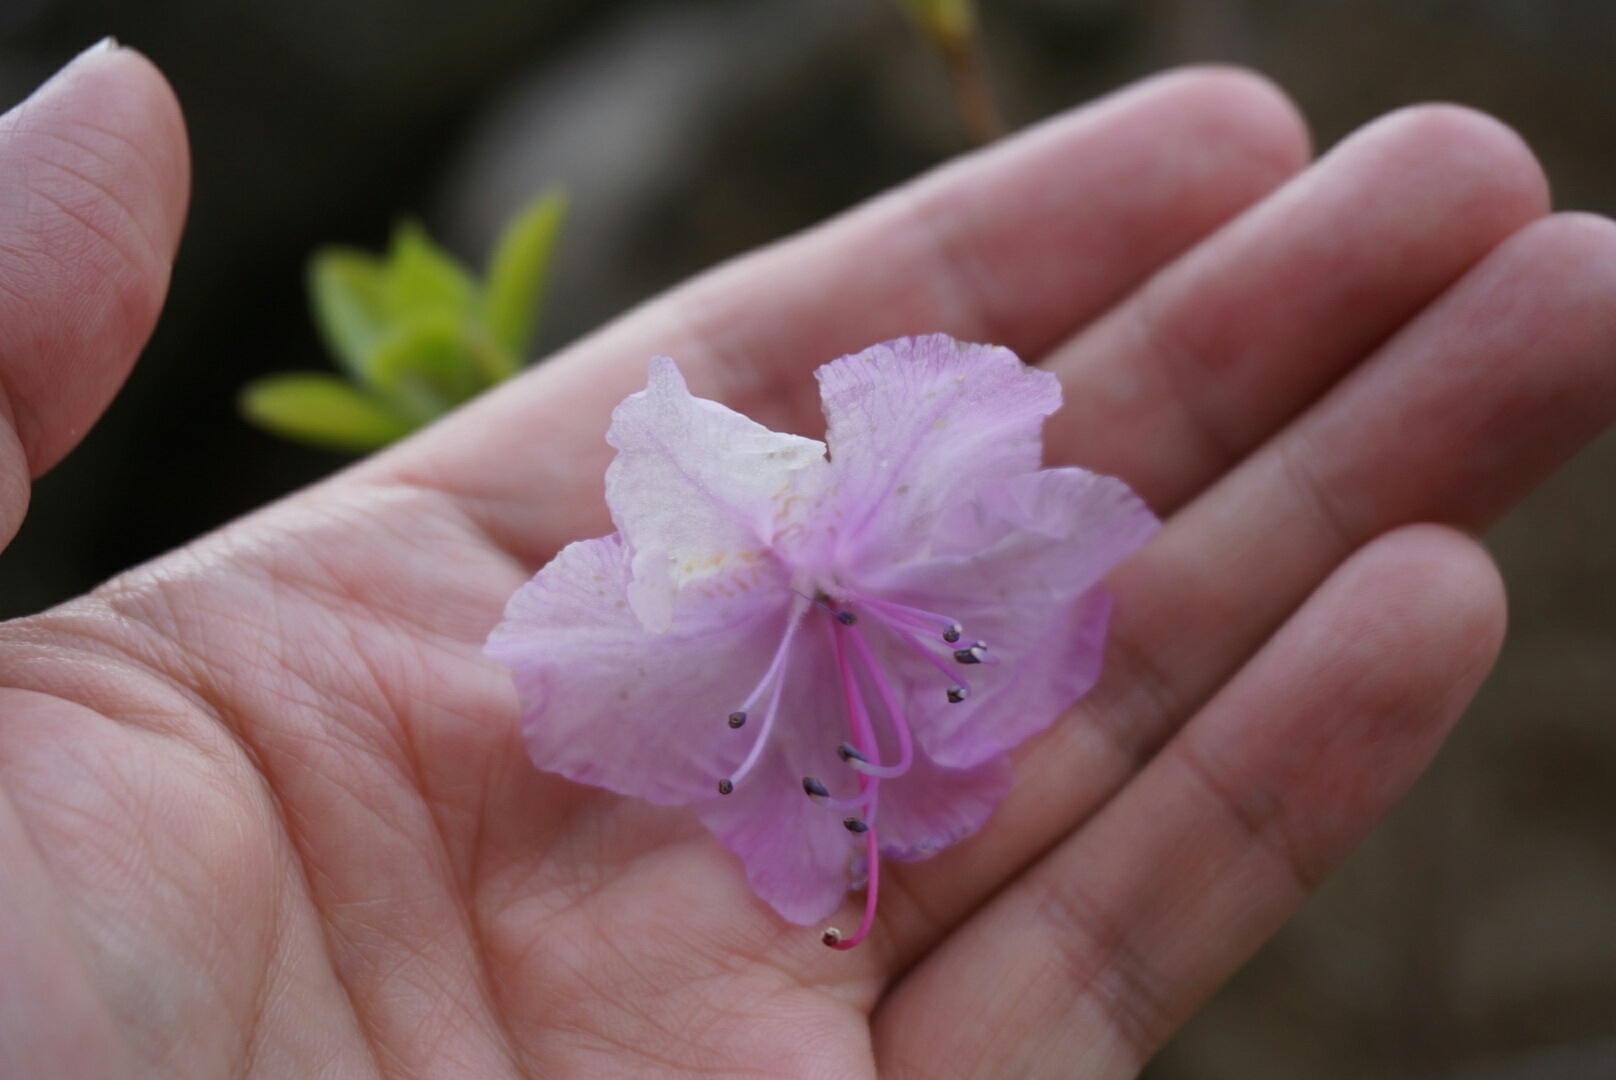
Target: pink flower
{"x": 799, "y": 647}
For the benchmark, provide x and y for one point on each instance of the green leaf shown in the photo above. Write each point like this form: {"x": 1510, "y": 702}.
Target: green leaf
{"x": 350, "y": 304}
{"x": 321, "y": 410}
{"x": 361, "y": 301}
{"x": 434, "y": 362}
{"x": 518, "y": 268}
{"x": 422, "y": 278}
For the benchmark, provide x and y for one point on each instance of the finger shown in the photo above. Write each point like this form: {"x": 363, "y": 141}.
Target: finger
{"x": 1087, "y": 963}
{"x": 1018, "y": 245}
{"x": 1468, "y": 408}
{"x": 1219, "y": 350}
{"x": 94, "y": 176}
{"x": 1445, "y": 423}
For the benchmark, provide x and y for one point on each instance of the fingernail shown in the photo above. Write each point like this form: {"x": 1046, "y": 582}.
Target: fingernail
{"x": 106, "y": 44}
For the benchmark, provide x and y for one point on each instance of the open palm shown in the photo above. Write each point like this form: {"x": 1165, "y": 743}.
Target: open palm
{"x": 264, "y": 808}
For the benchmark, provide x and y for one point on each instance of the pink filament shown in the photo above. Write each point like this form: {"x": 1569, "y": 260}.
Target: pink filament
{"x": 948, "y": 670}
{"x": 777, "y": 675}
{"x": 872, "y": 888}
{"x": 869, "y": 782}
{"x": 906, "y": 749}
{"x": 859, "y": 718}
{"x": 915, "y": 618}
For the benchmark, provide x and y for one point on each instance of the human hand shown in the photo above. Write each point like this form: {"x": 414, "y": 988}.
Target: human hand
{"x": 265, "y": 807}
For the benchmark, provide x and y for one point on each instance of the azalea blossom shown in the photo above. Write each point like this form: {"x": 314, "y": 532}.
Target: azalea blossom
{"x": 826, "y": 648}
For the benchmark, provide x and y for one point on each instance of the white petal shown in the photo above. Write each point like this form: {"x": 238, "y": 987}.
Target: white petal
{"x": 606, "y": 703}
{"x": 696, "y": 489}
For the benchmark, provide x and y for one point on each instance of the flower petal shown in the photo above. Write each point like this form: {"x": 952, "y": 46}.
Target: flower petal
{"x": 1030, "y": 591}
{"x": 605, "y": 702}
{"x": 797, "y": 854}
{"x": 918, "y": 424}
{"x": 695, "y": 490}
{"x": 931, "y": 807}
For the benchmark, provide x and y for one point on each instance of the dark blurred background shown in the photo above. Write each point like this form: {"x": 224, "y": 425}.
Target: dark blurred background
{"x": 1473, "y": 937}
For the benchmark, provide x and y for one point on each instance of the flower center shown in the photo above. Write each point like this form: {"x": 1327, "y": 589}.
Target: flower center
{"x": 861, "y": 752}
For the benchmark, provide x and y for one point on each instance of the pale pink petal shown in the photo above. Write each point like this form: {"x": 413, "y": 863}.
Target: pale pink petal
{"x": 796, "y": 852}
{"x": 931, "y": 807}
{"x": 916, "y": 425}
{"x": 631, "y": 652}
{"x": 607, "y": 703}
{"x": 696, "y": 490}
{"x": 798, "y": 855}
{"x": 1031, "y": 594}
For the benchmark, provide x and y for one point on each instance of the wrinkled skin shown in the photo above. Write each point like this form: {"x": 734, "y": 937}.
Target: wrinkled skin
{"x": 265, "y": 807}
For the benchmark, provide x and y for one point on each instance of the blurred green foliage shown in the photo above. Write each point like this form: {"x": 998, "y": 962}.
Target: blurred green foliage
{"x": 413, "y": 332}
{"x": 948, "y": 24}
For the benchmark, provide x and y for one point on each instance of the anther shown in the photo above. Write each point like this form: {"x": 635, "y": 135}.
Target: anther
{"x": 957, "y": 694}
{"x": 831, "y": 937}
{"x": 725, "y": 787}
{"x": 736, "y": 719}
{"x": 953, "y": 632}
{"x": 849, "y": 752}
{"x": 814, "y": 788}
{"x": 857, "y": 826}
{"x": 846, "y": 618}
{"x": 973, "y": 655}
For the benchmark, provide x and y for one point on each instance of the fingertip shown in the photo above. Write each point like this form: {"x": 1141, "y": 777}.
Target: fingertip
{"x": 1458, "y": 154}
{"x": 132, "y": 103}
{"x": 1433, "y": 593}
{"x": 1247, "y": 106}
{"x": 1577, "y": 251}
{"x": 1232, "y": 129}
{"x": 94, "y": 180}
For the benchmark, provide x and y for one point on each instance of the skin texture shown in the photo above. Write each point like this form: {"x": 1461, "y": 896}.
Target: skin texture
{"x": 264, "y": 810}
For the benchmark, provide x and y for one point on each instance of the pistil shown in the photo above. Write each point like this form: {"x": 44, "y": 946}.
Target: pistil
{"x": 832, "y": 936}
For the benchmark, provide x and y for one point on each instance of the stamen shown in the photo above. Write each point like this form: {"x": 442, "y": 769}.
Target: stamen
{"x": 846, "y": 618}
{"x": 855, "y": 753}
{"x": 973, "y": 654}
{"x": 777, "y": 675}
{"x": 725, "y": 787}
{"x": 957, "y": 694}
{"x": 906, "y": 749}
{"x": 832, "y": 936}
{"x": 915, "y": 618}
{"x": 856, "y": 825}
{"x": 818, "y": 793}
{"x": 934, "y": 660}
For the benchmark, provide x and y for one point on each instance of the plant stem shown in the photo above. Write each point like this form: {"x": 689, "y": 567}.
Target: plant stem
{"x": 972, "y": 95}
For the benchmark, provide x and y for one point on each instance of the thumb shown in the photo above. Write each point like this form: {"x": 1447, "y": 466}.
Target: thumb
{"x": 94, "y": 178}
